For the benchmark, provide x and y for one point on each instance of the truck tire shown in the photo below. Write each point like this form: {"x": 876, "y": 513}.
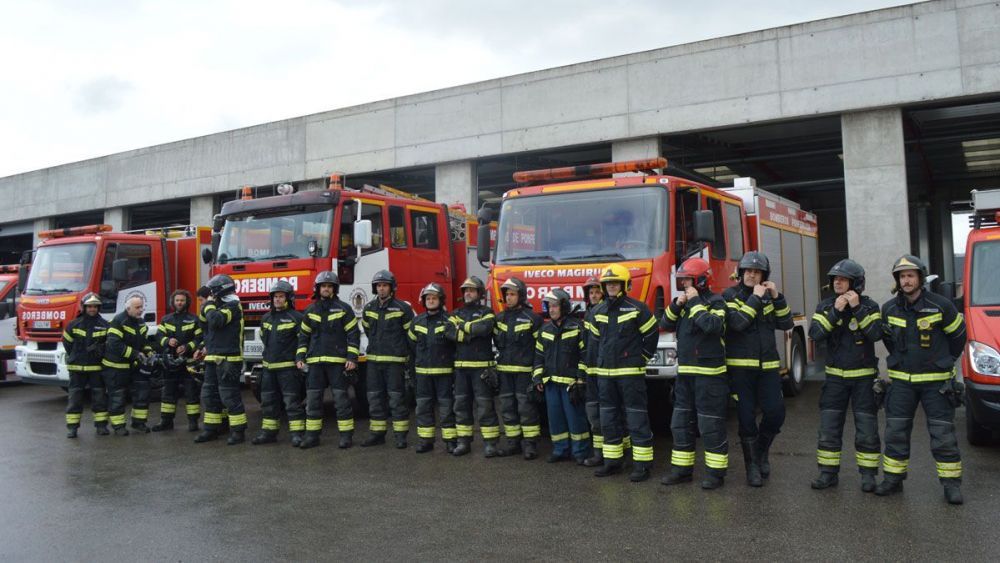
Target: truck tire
{"x": 795, "y": 378}
{"x": 975, "y": 433}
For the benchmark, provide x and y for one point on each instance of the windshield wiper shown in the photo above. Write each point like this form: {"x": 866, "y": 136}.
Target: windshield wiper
{"x": 279, "y": 257}
{"x": 610, "y": 255}
{"x": 542, "y": 257}
{"x": 51, "y": 291}
{"x": 238, "y": 259}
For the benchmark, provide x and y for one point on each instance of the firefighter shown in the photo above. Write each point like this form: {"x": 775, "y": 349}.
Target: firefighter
{"x": 223, "y": 316}
{"x": 433, "y": 360}
{"x": 514, "y": 336}
{"x": 179, "y": 334}
{"x": 282, "y": 383}
{"x": 84, "y": 340}
{"x": 328, "y": 345}
{"x": 924, "y": 335}
{"x": 595, "y": 296}
{"x": 701, "y": 391}
{"x": 471, "y": 328}
{"x": 755, "y": 309}
{"x": 626, "y": 334}
{"x": 850, "y": 324}
{"x": 560, "y": 373}
{"x": 127, "y": 346}
{"x": 386, "y": 320}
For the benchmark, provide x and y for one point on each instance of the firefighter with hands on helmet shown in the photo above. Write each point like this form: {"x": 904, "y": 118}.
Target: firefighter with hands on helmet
{"x": 126, "y": 347}
{"x": 282, "y": 383}
{"x": 755, "y": 310}
{"x": 595, "y": 296}
{"x": 83, "y": 340}
{"x": 433, "y": 366}
{"x": 625, "y": 332}
{"x": 514, "y": 336}
{"x": 328, "y": 345}
{"x": 850, "y": 324}
{"x": 386, "y": 320}
{"x": 471, "y": 328}
{"x": 223, "y": 336}
{"x": 559, "y": 372}
{"x": 701, "y": 390}
{"x": 924, "y": 335}
{"x": 179, "y": 334}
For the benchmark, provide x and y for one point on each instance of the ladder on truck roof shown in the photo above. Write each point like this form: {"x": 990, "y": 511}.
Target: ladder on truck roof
{"x": 985, "y": 208}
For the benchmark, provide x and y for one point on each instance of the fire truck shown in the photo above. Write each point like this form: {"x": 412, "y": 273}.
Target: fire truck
{"x": 70, "y": 263}
{"x": 561, "y": 226}
{"x": 981, "y": 301}
{"x": 8, "y": 318}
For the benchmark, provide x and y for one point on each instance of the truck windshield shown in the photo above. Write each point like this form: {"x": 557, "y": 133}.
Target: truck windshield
{"x": 985, "y": 269}
{"x": 60, "y": 268}
{"x": 246, "y": 238}
{"x": 572, "y": 227}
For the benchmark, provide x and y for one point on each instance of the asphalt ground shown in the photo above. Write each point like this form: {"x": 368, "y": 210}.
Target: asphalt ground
{"x": 160, "y": 497}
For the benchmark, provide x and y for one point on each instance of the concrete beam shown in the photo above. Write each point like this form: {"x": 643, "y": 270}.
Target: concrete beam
{"x": 636, "y": 149}
{"x": 202, "y": 211}
{"x": 115, "y": 217}
{"x": 455, "y": 182}
{"x": 43, "y": 224}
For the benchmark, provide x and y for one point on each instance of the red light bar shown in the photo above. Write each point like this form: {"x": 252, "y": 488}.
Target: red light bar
{"x": 75, "y": 231}
{"x": 588, "y": 170}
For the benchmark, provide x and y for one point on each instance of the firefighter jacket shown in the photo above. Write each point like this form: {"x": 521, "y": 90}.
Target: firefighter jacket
{"x": 329, "y": 333}
{"x": 750, "y": 325}
{"x": 626, "y": 335}
{"x": 84, "y": 340}
{"x": 924, "y": 338}
{"x": 850, "y": 335}
{"x": 433, "y": 353}
{"x": 185, "y": 327}
{"x": 279, "y": 331}
{"x": 514, "y": 336}
{"x": 126, "y": 340}
{"x": 590, "y": 339}
{"x": 700, "y": 324}
{"x": 559, "y": 352}
{"x": 471, "y": 328}
{"x": 223, "y": 329}
{"x": 386, "y": 325}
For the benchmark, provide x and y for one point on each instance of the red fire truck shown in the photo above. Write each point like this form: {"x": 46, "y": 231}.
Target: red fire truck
{"x": 69, "y": 263}
{"x": 564, "y": 225}
{"x": 981, "y": 296}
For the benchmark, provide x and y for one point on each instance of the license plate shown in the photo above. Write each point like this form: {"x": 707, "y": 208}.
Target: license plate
{"x": 253, "y": 349}
{"x": 43, "y": 324}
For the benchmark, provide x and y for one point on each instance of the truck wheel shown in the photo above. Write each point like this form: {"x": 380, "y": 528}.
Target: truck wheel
{"x": 796, "y": 368}
{"x": 977, "y": 434}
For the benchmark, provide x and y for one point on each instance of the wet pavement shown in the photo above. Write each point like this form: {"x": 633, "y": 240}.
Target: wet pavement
{"x": 161, "y": 497}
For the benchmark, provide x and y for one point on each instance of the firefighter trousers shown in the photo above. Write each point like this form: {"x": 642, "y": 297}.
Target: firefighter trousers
{"x": 755, "y": 388}
{"x": 700, "y": 404}
{"x": 387, "y": 396}
{"x": 901, "y": 402}
{"x": 321, "y": 376}
{"x": 568, "y": 425}
{"x": 78, "y": 380}
{"x": 221, "y": 389}
{"x": 435, "y": 391}
{"x": 624, "y": 407}
{"x": 520, "y": 416}
{"x": 174, "y": 381}
{"x": 282, "y": 388}
{"x": 117, "y": 383}
{"x": 834, "y": 398}
{"x": 469, "y": 388}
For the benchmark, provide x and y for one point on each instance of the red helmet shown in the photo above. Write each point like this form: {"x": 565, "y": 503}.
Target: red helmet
{"x": 698, "y": 270}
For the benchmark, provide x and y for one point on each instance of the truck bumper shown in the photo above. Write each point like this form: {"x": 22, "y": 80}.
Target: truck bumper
{"x": 42, "y": 367}
{"x": 664, "y": 364}
{"x": 984, "y": 400}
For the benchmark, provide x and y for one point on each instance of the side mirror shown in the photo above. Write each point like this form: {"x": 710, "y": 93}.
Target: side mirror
{"x": 119, "y": 270}
{"x": 108, "y": 289}
{"x": 363, "y": 233}
{"x": 217, "y": 223}
{"x": 704, "y": 226}
{"x": 483, "y": 243}
{"x": 4, "y": 310}
{"x": 206, "y": 255}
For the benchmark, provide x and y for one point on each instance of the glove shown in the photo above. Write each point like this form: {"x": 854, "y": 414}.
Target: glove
{"x": 534, "y": 395}
{"x": 577, "y": 392}
{"x": 954, "y": 391}
{"x": 351, "y": 376}
{"x": 490, "y": 378}
{"x": 879, "y": 387}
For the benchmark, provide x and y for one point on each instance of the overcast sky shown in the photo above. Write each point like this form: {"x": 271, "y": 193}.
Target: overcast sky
{"x": 81, "y": 79}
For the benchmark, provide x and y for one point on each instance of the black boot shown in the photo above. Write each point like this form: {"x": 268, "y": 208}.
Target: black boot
{"x": 121, "y": 431}
{"x": 640, "y": 472}
{"x": 310, "y": 441}
{"x": 164, "y": 424}
{"x": 677, "y": 476}
{"x": 374, "y": 439}
{"x": 346, "y": 440}
{"x": 102, "y": 430}
{"x": 530, "y": 449}
{"x": 609, "y": 468}
{"x": 513, "y": 447}
{"x": 825, "y": 480}
{"x": 749, "y": 460}
{"x": 450, "y": 445}
{"x": 763, "y": 447}
{"x": 891, "y": 484}
{"x": 236, "y": 437}
{"x": 206, "y": 435}
{"x": 953, "y": 491}
{"x": 425, "y": 446}
{"x": 595, "y": 460}
{"x": 556, "y": 458}
{"x": 71, "y": 431}
{"x": 401, "y": 441}
{"x": 296, "y": 439}
{"x": 462, "y": 448}
{"x": 868, "y": 482}
{"x": 490, "y": 448}
{"x": 140, "y": 426}
{"x": 265, "y": 437}
{"x": 193, "y": 423}
{"x": 712, "y": 481}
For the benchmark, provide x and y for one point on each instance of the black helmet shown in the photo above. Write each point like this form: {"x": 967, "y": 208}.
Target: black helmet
{"x": 556, "y": 298}
{"x": 221, "y": 285}
{"x": 518, "y": 286}
{"x": 851, "y": 270}
{"x": 754, "y": 260}
{"x": 431, "y": 288}
{"x": 908, "y": 262}
{"x": 281, "y": 286}
{"x": 472, "y": 282}
{"x": 384, "y": 276}
{"x": 326, "y": 276}
{"x": 187, "y": 297}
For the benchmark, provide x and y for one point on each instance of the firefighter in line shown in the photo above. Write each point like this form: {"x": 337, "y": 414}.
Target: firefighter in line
{"x": 386, "y": 320}
{"x": 83, "y": 340}
{"x": 282, "y": 383}
{"x": 179, "y": 334}
{"x": 626, "y": 334}
{"x": 328, "y": 346}
{"x": 514, "y": 336}
{"x": 925, "y": 336}
{"x": 595, "y": 296}
{"x": 471, "y": 328}
{"x": 223, "y": 316}
{"x": 433, "y": 366}
{"x": 755, "y": 310}
{"x": 559, "y": 372}
{"x": 127, "y": 346}
{"x": 701, "y": 390}
{"x": 850, "y": 323}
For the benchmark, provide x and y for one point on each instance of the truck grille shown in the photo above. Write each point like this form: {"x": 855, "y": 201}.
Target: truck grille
{"x": 42, "y": 368}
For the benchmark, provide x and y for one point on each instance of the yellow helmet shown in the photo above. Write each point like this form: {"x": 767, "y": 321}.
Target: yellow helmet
{"x": 616, "y": 273}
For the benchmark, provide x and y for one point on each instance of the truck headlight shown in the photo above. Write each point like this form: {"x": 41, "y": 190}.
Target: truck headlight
{"x": 19, "y": 355}
{"x": 985, "y": 360}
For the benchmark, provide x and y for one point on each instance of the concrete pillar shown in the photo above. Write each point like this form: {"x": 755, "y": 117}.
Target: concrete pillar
{"x": 456, "y": 182}
{"x": 878, "y": 218}
{"x": 115, "y": 217}
{"x": 42, "y": 224}
{"x": 202, "y": 210}
{"x": 635, "y": 149}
